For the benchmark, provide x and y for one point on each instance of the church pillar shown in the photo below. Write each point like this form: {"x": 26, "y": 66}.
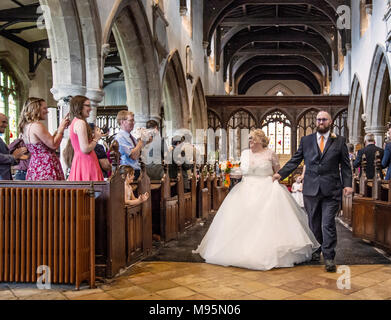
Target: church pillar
{"x": 95, "y": 97}
{"x": 63, "y": 94}
{"x": 379, "y": 133}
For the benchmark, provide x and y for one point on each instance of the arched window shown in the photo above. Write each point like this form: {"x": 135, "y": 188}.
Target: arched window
{"x": 307, "y": 125}
{"x": 340, "y": 124}
{"x": 278, "y": 128}
{"x": 239, "y": 126}
{"x": 213, "y": 121}
{"x": 9, "y": 103}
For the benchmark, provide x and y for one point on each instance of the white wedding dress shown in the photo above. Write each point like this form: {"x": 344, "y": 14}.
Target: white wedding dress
{"x": 259, "y": 225}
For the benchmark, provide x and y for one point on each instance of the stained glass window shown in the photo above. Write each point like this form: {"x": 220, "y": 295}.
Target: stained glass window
{"x": 340, "y": 124}
{"x": 307, "y": 125}
{"x": 278, "y": 128}
{"x": 9, "y": 104}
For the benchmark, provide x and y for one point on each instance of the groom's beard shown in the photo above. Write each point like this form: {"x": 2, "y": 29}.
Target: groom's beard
{"x": 323, "y": 129}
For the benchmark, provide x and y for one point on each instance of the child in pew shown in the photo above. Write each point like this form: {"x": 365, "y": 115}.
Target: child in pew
{"x": 130, "y": 199}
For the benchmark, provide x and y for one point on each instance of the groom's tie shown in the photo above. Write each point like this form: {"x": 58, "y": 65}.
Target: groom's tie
{"x": 321, "y": 145}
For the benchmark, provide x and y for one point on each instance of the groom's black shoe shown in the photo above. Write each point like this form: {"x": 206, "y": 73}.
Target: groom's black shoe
{"x": 316, "y": 256}
{"x": 330, "y": 265}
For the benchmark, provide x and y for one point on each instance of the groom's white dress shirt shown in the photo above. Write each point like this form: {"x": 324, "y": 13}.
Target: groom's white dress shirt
{"x": 325, "y": 135}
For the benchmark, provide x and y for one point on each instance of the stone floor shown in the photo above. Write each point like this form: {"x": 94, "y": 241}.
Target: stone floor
{"x": 200, "y": 281}
{"x": 172, "y": 272}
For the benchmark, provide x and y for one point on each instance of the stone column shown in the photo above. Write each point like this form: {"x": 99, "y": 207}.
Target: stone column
{"x": 63, "y": 94}
{"x": 95, "y": 96}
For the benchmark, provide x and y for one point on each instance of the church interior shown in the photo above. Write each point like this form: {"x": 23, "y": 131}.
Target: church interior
{"x": 196, "y": 66}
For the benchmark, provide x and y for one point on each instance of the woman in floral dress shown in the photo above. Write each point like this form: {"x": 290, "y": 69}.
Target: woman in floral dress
{"x": 44, "y": 163}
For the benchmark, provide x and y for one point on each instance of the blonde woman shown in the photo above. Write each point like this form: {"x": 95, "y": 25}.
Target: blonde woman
{"x": 44, "y": 164}
{"x": 259, "y": 225}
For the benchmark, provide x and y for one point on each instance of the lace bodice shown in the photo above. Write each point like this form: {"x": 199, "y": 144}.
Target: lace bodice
{"x": 264, "y": 163}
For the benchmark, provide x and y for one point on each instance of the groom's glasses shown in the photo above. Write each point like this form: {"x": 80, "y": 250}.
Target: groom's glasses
{"x": 322, "y": 120}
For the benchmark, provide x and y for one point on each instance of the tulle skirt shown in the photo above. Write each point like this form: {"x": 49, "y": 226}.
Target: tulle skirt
{"x": 259, "y": 226}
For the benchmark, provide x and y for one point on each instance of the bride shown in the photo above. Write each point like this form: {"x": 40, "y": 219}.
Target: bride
{"x": 259, "y": 225}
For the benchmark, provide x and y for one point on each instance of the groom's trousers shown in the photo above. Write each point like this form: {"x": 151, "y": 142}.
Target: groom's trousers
{"x": 321, "y": 212}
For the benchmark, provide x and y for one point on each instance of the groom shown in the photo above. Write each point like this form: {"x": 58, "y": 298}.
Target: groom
{"x": 327, "y": 171}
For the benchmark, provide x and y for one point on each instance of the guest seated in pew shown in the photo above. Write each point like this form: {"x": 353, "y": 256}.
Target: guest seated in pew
{"x": 386, "y": 162}
{"x": 85, "y": 164}
{"x": 44, "y": 163}
{"x": 130, "y": 199}
{"x": 370, "y": 152}
{"x": 6, "y": 158}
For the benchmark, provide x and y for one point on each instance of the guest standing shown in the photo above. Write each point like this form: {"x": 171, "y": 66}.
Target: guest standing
{"x": 129, "y": 148}
{"x": 370, "y": 152}
{"x": 6, "y": 159}
{"x": 44, "y": 163}
{"x": 85, "y": 164}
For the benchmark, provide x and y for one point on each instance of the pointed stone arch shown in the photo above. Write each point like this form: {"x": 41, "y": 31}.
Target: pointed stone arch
{"x": 377, "y": 95}
{"x": 129, "y": 24}
{"x": 199, "y": 110}
{"x": 279, "y": 87}
{"x": 355, "y": 112}
{"x": 175, "y": 97}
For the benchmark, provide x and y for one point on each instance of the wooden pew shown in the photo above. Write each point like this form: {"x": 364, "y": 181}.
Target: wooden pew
{"x": 371, "y": 212}
{"x": 46, "y": 226}
{"x": 219, "y": 192}
{"x": 165, "y": 208}
{"x": 203, "y": 194}
{"x": 138, "y": 228}
{"x": 109, "y": 218}
{"x": 187, "y": 201}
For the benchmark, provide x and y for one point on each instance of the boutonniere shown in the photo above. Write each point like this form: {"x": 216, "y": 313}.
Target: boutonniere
{"x": 333, "y": 135}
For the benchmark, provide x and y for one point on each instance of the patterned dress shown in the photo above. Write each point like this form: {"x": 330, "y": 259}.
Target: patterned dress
{"x": 44, "y": 163}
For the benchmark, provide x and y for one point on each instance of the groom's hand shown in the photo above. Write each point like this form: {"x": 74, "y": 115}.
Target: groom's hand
{"x": 276, "y": 176}
{"x": 347, "y": 191}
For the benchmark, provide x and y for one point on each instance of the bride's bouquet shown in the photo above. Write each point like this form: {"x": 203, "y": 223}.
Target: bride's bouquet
{"x": 226, "y": 167}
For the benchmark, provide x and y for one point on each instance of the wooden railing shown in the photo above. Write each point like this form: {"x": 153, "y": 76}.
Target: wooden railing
{"x": 369, "y": 211}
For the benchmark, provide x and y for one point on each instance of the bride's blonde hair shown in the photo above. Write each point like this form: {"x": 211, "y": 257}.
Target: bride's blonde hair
{"x": 260, "y": 136}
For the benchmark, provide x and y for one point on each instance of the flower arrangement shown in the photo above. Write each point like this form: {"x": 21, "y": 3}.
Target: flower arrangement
{"x": 226, "y": 167}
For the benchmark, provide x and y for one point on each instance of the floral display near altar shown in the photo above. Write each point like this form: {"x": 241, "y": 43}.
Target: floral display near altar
{"x": 226, "y": 167}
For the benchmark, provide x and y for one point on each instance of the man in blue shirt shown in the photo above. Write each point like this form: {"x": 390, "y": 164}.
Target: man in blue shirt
{"x": 129, "y": 148}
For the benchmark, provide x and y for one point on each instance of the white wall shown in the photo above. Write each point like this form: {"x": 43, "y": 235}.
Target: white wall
{"x": 296, "y": 87}
{"x": 363, "y": 49}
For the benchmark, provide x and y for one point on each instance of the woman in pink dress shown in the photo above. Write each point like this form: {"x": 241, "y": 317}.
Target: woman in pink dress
{"x": 44, "y": 163}
{"x": 85, "y": 164}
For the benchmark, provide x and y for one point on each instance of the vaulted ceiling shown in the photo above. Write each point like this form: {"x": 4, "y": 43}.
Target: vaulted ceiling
{"x": 19, "y": 22}
{"x": 275, "y": 40}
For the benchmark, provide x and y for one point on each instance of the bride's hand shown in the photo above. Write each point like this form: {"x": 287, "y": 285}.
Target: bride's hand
{"x": 276, "y": 176}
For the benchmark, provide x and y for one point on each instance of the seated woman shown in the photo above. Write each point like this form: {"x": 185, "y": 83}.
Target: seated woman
{"x": 85, "y": 164}
{"x": 44, "y": 163}
{"x": 130, "y": 198}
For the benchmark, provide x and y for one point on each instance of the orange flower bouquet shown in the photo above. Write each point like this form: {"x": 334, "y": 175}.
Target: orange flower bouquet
{"x": 226, "y": 167}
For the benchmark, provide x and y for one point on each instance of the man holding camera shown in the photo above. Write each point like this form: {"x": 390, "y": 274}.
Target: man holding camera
{"x": 129, "y": 148}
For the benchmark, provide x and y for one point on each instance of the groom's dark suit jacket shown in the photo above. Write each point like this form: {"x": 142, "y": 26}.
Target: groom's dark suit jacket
{"x": 328, "y": 172}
